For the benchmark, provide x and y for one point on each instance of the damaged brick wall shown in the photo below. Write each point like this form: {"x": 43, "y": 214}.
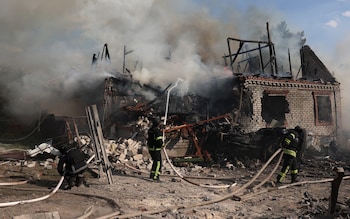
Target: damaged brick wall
{"x": 303, "y": 107}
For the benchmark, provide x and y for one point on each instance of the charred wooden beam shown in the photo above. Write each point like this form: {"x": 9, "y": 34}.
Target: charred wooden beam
{"x": 335, "y": 189}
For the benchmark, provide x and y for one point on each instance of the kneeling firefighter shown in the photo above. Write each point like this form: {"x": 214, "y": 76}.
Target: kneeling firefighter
{"x": 72, "y": 165}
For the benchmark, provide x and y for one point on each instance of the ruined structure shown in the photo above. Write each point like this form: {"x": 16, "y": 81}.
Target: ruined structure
{"x": 312, "y": 101}
{"x": 249, "y": 106}
{"x": 242, "y": 111}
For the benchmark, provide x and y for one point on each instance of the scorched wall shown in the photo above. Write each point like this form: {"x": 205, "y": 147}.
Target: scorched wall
{"x": 314, "y": 106}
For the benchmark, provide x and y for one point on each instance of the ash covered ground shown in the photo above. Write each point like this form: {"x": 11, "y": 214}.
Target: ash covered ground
{"x": 204, "y": 192}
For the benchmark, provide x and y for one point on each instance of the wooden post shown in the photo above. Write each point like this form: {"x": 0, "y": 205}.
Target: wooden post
{"x": 335, "y": 189}
{"x": 99, "y": 148}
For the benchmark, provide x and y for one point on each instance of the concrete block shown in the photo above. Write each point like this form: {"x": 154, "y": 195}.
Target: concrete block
{"x": 122, "y": 157}
{"x": 132, "y": 151}
{"x": 138, "y": 157}
{"x": 31, "y": 164}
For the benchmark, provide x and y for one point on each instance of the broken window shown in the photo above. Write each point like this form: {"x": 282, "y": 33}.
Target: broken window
{"x": 274, "y": 107}
{"x": 323, "y": 108}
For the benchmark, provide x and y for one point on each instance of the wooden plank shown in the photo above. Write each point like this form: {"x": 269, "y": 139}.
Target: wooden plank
{"x": 45, "y": 215}
{"x": 106, "y": 163}
{"x": 95, "y": 140}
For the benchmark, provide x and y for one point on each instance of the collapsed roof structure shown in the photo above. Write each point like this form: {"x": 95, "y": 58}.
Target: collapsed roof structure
{"x": 235, "y": 112}
{"x": 240, "y": 111}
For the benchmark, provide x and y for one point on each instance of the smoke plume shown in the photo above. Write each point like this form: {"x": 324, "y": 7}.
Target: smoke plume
{"x": 46, "y": 46}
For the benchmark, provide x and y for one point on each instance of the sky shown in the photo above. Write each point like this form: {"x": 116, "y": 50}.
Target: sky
{"x": 326, "y": 26}
{"x": 46, "y": 47}
{"x": 325, "y": 22}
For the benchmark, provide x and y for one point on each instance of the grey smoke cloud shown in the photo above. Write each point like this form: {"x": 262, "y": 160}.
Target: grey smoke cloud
{"x": 339, "y": 64}
{"x": 46, "y": 46}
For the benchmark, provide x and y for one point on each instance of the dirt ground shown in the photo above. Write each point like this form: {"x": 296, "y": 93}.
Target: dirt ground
{"x": 133, "y": 195}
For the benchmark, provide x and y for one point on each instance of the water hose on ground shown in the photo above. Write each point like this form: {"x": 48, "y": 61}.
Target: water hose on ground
{"x": 189, "y": 181}
{"x": 88, "y": 212}
{"x": 170, "y": 175}
{"x": 231, "y": 195}
{"x": 271, "y": 173}
{"x": 249, "y": 196}
{"x": 13, "y": 183}
{"x": 6, "y": 204}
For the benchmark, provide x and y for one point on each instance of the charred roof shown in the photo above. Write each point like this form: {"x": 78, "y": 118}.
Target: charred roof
{"x": 313, "y": 68}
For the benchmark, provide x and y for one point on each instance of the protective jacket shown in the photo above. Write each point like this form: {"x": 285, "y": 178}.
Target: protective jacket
{"x": 155, "y": 139}
{"x": 72, "y": 162}
{"x": 155, "y": 144}
{"x": 291, "y": 143}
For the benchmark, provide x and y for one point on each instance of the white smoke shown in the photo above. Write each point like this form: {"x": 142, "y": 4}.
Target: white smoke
{"x": 339, "y": 64}
{"x": 46, "y": 47}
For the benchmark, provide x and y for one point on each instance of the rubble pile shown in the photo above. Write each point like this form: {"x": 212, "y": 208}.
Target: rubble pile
{"x": 135, "y": 154}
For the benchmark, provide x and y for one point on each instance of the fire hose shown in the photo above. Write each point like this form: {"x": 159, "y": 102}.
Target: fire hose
{"x": 169, "y": 175}
{"x": 228, "y": 196}
{"x": 13, "y": 183}
{"x": 189, "y": 181}
{"x": 7, "y": 204}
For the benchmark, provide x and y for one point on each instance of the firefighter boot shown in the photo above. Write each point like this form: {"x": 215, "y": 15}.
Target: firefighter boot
{"x": 80, "y": 180}
{"x": 156, "y": 177}
{"x": 70, "y": 182}
{"x": 151, "y": 176}
{"x": 279, "y": 180}
{"x": 294, "y": 178}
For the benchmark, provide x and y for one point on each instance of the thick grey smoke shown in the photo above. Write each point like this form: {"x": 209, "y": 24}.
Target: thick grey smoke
{"x": 46, "y": 46}
{"x": 339, "y": 65}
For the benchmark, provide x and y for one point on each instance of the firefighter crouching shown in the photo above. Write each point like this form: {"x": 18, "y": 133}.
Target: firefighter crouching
{"x": 291, "y": 145}
{"x": 72, "y": 165}
{"x": 155, "y": 145}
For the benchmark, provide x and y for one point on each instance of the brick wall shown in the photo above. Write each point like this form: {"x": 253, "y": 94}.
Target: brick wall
{"x": 299, "y": 95}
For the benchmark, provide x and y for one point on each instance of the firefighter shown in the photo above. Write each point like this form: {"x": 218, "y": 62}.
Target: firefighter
{"x": 155, "y": 145}
{"x": 291, "y": 145}
{"x": 72, "y": 165}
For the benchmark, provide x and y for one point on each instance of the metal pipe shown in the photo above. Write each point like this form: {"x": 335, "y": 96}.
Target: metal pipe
{"x": 167, "y": 101}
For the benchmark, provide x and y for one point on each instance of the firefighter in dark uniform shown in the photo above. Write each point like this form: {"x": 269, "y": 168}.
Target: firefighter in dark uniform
{"x": 72, "y": 165}
{"x": 291, "y": 145}
{"x": 155, "y": 145}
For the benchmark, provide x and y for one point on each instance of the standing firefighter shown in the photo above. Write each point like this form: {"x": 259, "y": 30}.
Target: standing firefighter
{"x": 291, "y": 145}
{"x": 155, "y": 144}
{"x": 72, "y": 165}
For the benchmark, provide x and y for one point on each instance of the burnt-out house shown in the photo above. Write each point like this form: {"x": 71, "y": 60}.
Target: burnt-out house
{"x": 312, "y": 101}
{"x": 270, "y": 100}
{"x": 243, "y": 112}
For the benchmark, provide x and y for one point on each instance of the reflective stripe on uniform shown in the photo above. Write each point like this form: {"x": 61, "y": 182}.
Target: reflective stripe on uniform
{"x": 290, "y": 152}
{"x": 157, "y": 172}
{"x": 287, "y": 140}
{"x": 283, "y": 174}
{"x": 294, "y": 171}
{"x": 154, "y": 149}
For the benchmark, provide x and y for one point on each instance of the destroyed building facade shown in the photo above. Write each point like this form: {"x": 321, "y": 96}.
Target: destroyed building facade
{"x": 270, "y": 98}
{"x": 245, "y": 105}
{"x": 256, "y": 103}
{"x": 314, "y": 106}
